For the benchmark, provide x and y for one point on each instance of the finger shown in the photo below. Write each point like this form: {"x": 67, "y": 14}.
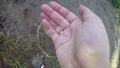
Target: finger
{"x": 43, "y": 16}
{"x": 60, "y": 20}
{"x": 49, "y": 29}
{"x": 86, "y": 13}
{"x": 63, "y": 11}
{"x": 57, "y": 28}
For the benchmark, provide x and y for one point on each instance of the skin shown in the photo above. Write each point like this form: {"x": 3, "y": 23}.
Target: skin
{"x": 79, "y": 43}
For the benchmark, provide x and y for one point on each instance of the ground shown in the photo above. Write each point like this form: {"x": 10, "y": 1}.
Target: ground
{"x": 24, "y": 42}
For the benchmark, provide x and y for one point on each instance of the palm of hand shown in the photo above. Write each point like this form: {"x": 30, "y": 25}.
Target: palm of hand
{"x": 68, "y": 32}
{"x": 54, "y": 23}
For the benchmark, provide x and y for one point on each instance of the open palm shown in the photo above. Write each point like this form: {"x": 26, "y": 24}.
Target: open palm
{"x": 69, "y": 33}
{"x": 60, "y": 25}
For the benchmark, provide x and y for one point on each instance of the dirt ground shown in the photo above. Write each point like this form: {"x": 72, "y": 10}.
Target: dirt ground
{"x": 20, "y": 24}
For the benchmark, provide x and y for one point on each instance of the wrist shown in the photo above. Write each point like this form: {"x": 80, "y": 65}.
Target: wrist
{"x": 69, "y": 66}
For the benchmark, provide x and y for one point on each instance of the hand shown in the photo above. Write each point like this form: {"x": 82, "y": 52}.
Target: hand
{"x": 79, "y": 43}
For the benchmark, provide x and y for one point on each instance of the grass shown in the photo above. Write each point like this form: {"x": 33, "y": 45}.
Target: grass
{"x": 13, "y": 54}
{"x": 14, "y": 64}
{"x": 117, "y": 3}
{"x": 50, "y": 59}
{"x": 10, "y": 53}
{"x": 115, "y": 62}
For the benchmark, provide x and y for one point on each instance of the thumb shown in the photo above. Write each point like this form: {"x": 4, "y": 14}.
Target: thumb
{"x": 86, "y": 13}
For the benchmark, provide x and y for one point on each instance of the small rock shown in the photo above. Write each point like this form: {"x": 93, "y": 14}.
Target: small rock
{"x": 37, "y": 61}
